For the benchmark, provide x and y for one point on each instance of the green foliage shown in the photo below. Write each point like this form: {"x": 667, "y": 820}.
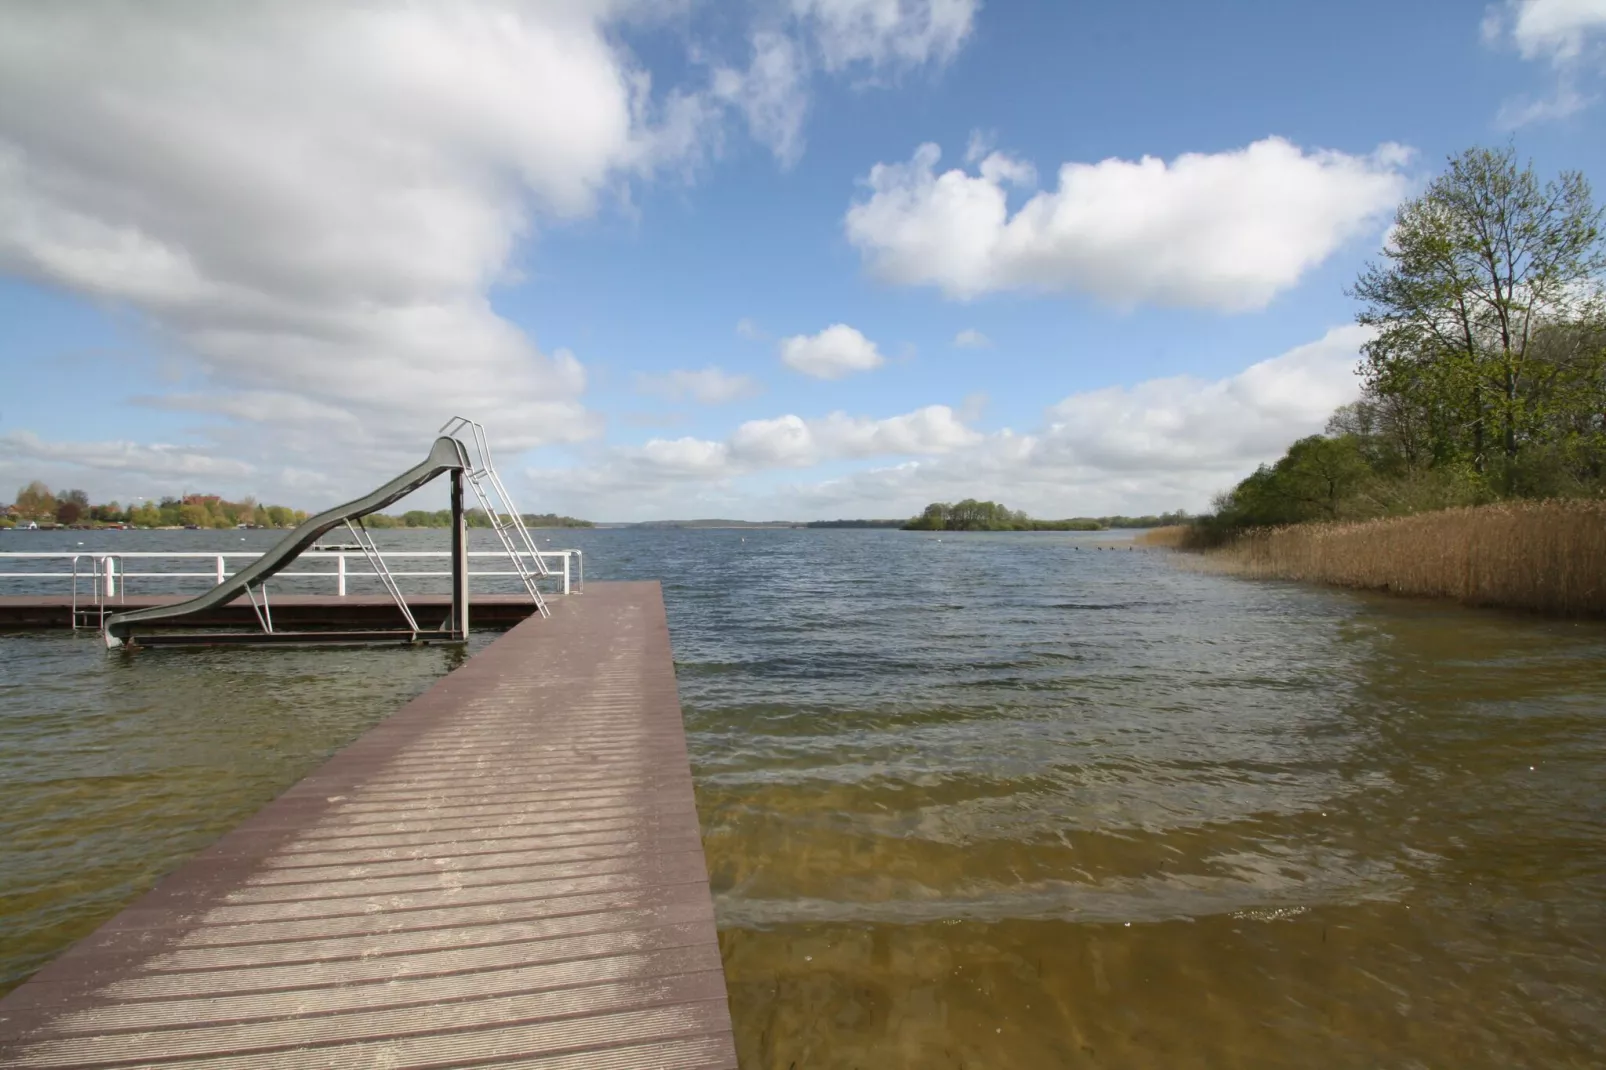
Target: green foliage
{"x": 971, "y": 515}
{"x": 35, "y": 502}
{"x": 1312, "y": 481}
{"x": 855, "y": 523}
{"x": 1160, "y": 520}
{"x": 1486, "y": 378}
{"x": 1490, "y": 321}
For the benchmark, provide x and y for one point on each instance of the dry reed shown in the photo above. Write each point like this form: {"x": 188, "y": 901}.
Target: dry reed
{"x": 1546, "y": 556}
{"x": 1166, "y": 538}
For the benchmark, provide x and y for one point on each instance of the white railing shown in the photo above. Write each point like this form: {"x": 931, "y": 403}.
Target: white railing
{"x": 107, "y": 574}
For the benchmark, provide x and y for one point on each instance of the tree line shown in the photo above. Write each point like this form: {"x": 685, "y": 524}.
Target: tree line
{"x": 474, "y": 518}
{"x": 973, "y": 515}
{"x": 1486, "y": 376}
{"x": 37, "y": 503}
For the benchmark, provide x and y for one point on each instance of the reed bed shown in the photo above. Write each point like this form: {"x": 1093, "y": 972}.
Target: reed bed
{"x": 1547, "y": 556}
{"x": 1172, "y": 537}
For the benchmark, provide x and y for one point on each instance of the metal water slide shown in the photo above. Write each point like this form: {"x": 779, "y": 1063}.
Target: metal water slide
{"x": 447, "y": 455}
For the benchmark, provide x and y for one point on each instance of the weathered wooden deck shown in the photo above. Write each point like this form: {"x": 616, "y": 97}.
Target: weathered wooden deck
{"x": 289, "y": 610}
{"x": 506, "y": 872}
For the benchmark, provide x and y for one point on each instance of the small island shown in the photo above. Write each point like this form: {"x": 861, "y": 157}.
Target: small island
{"x": 972, "y": 515}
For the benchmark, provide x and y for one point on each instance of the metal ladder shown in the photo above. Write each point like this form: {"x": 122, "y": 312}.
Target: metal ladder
{"x": 365, "y": 541}
{"x": 500, "y": 510}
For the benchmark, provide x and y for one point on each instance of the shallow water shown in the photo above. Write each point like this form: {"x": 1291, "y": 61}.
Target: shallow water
{"x": 984, "y": 801}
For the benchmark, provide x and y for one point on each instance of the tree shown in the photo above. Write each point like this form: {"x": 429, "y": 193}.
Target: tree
{"x": 68, "y": 511}
{"x": 1476, "y": 271}
{"x": 1314, "y": 480}
{"x": 36, "y": 502}
{"x": 969, "y": 515}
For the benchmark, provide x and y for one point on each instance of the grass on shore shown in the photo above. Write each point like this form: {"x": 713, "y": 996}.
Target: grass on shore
{"x": 1548, "y": 556}
{"x": 1170, "y": 537}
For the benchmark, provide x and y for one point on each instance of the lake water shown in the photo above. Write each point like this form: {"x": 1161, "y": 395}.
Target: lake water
{"x": 979, "y": 801}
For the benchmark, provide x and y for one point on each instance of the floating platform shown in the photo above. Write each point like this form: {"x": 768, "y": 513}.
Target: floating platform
{"x": 290, "y": 611}
{"x": 506, "y": 872}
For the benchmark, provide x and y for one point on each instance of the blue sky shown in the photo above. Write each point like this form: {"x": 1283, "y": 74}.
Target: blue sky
{"x": 794, "y": 259}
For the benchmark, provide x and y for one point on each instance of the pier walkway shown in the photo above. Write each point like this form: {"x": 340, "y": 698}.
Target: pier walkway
{"x": 506, "y": 872}
{"x": 289, "y": 610}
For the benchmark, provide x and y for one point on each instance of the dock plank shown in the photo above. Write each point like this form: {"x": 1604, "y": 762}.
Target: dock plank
{"x": 50, "y": 611}
{"x": 506, "y": 872}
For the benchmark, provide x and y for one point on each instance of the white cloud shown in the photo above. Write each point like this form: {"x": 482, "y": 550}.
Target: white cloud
{"x": 1564, "y": 101}
{"x": 1183, "y": 423}
{"x": 1158, "y": 445}
{"x": 685, "y": 457}
{"x": 1554, "y": 29}
{"x": 836, "y": 351}
{"x": 710, "y": 385}
{"x": 930, "y": 430}
{"x": 793, "y": 442}
{"x": 25, "y": 451}
{"x": 1227, "y": 230}
{"x": 878, "y": 36}
{"x": 772, "y": 94}
{"x": 310, "y": 200}
{"x": 1560, "y": 32}
{"x": 780, "y": 442}
{"x": 783, "y": 442}
{"x": 970, "y": 338}
{"x": 882, "y": 33}
{"x": 308, "y": 203}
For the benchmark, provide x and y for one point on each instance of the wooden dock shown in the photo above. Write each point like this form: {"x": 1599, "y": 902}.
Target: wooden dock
{"x": 290, "y": 611}
{"x": 506, "y": 872}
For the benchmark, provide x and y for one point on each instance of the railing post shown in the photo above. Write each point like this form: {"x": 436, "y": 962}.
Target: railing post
{"x": 340, "y": 571}
{"x": 566, "y": 556}
{"x": 220, "y": 576}
{"x": 110, "y": 569}
{"x": 460, "y": 594}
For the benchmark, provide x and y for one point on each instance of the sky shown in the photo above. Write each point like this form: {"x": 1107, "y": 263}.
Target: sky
{"x": 786, "y": 259}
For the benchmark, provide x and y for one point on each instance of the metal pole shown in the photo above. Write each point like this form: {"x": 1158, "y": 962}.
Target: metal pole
{"x": 340, "y": 571}
{"x": 220, "y": 576}
{"x": 566, "y": 573}
{"x": 459, "y": 558}
{"x": 111, "y": 577}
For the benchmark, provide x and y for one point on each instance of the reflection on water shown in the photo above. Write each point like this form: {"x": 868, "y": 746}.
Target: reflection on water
{"x": 996, "y": 801}
{"x": 1001, "y": 801}
{"x": 115, "y": 768}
